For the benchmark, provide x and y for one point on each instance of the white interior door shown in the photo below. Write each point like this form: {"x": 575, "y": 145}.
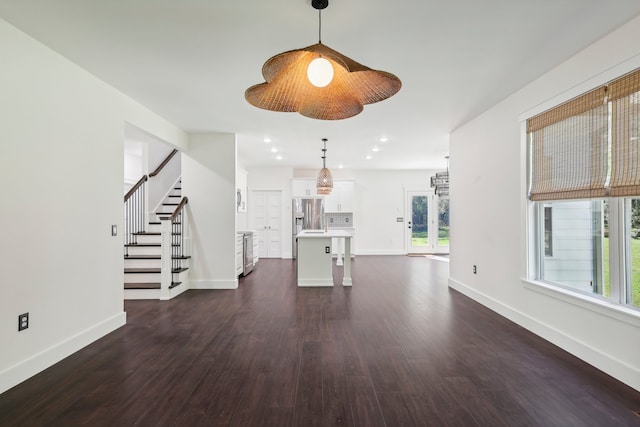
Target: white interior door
{"x": 427, "y": 223}
{"x": 265, "y": 216}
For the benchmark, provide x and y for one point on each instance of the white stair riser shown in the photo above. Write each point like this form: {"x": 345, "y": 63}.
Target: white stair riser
{"x": 144, "y": 250}
{"x": 141, "y": 277}
{"x": 142, "y": 263}
{"x": 141, "y": 293}
{"x": 181, "y": 277}
{"x": 148, "y": 239}
{"x": 155, "y": 228}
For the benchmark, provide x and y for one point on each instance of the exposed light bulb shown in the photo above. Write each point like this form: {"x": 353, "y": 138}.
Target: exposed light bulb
{"x": 320, "y": 72}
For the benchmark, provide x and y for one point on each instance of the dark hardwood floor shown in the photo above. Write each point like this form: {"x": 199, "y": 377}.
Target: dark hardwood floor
{"x": 398, "y": 349}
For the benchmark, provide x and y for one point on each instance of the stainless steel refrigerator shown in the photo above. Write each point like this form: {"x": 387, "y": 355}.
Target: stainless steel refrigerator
{"x": 308, "y": 214}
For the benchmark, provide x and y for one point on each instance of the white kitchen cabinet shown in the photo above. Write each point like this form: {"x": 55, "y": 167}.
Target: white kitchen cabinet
{"x": 239, "y": 254}
{"x": 341, "y": 197}
{"x": 256, "y": 248}
{"x": 303, "y": 188}
{"x": 241, "y": 190}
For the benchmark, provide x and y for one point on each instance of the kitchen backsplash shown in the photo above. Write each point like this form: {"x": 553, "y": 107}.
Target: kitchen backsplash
{"x": 339, "y": 220}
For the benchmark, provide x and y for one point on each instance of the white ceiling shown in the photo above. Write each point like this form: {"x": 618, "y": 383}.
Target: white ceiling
{"x": 190, "y": 61}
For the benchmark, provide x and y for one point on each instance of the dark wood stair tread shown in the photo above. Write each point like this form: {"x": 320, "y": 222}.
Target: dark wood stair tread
{"x": 133, "y": 245}
{"x": 142, "y": 270}
{"x": 174, "y": 284}
{"x": 142, "y": 257}
{"x": 179, "y": 270}
{"x": 170, "y": 204}
{"x": 147, "y": 233}
{"x": 148, "y": 285}
{"x": 174, "y": 195}
{"x": 181, "y": 257}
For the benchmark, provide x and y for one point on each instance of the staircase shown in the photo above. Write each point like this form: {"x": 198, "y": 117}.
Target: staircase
{"x": 155, "y": 261}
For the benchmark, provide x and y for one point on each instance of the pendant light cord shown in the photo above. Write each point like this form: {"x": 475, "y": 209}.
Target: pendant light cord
{"x": 324, "y": 154}
{"x": 320, "y": 26}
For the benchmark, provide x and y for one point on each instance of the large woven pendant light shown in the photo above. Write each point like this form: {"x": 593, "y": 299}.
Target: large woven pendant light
{"x": 324, "y": 183}
{"x": 319, "y": 82}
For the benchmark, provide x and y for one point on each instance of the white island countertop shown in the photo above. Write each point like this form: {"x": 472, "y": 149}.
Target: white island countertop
{"x": 322, "y": 233}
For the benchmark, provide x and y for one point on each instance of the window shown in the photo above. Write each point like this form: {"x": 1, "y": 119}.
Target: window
{"x": 584, "y": 184}
{"x": 548, "y": 231}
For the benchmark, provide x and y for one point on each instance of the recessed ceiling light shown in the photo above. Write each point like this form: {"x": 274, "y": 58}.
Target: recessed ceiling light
{"x": 278, "y": 157}
{"x": 375, "y": 149}
{"x": 267, "y": 140}
{"x": 340, "y": 166}
{"x": 383, "y": 139}
{"x": 369, "y": 157}
{"x": 274, "y": 150}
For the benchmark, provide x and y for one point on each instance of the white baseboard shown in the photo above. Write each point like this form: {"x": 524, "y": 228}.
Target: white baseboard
{"x": 174, "y": 292}
{"x": 213, "y": 284}
{"x": 602, "y": 361}
{"x": 315, "y": 283}
{"x": 24, "y": 370}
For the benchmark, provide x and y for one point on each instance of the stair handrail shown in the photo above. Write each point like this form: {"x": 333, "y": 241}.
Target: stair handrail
{"x": 135, "y": 187}
{"x": 178, "y": 208}
{"x": 163, "y": 164}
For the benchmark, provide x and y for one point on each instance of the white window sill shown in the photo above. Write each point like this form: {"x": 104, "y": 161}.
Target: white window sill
{"x": 597, "y": 305}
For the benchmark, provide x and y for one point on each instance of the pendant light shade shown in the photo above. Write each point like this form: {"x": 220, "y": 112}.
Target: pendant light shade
{"x": 319, "y": 82}
{"x": 324, "y": 184}
{"x": 440, "y": 181}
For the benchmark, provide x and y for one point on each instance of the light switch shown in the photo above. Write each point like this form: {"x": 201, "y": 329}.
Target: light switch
{"x": 114, "y": 230}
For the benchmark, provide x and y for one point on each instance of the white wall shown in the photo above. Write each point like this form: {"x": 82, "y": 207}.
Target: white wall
{"x": 379, "y": 200}
{"x": 61, "y": 159}
{"x": 488, "y": 210}
{"x": 62, "y": 163}
{"x": 209, "y": 181}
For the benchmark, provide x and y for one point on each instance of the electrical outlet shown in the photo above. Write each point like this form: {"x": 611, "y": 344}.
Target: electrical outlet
{"x": 327, "y": 249}
{"x": 475, "y": 270}
{"x": 23, "y": 322}
{"x": 114, "y": 230}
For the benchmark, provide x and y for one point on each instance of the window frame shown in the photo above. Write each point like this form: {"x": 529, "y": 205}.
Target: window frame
{"x": 620, "y": 262}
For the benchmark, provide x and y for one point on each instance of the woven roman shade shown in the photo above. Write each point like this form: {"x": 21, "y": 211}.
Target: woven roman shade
{"x": 569, "y": 149}
{"x": 624, "y": 94}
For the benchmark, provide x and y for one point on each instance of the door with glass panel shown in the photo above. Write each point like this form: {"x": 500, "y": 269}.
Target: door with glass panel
{"x": 427, "y": 224}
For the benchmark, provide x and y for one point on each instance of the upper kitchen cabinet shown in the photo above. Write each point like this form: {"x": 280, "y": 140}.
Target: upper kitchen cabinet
{"x": 303, "y": 188}
{"x": 341, "y": 197}
{"x": 241, "y": 190}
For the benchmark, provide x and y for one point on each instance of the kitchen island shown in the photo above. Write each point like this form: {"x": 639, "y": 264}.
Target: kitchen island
{"x": 315, "y": 265}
